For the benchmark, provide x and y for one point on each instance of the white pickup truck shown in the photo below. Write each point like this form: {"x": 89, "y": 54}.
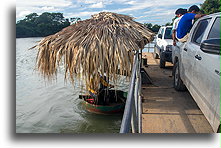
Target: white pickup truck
{"x": 197, "y": 67}
{"x": 163, "y": 45}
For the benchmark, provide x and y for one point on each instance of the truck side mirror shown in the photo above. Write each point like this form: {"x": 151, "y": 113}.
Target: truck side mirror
{"x": 159, "y": 36}
{"x": 211, "y": 46}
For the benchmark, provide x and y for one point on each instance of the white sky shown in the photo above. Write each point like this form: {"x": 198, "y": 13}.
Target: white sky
{"x": 149, "y": 11}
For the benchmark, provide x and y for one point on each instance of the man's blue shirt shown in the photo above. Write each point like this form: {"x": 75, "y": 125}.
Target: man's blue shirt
{"x": 185, "y": 25}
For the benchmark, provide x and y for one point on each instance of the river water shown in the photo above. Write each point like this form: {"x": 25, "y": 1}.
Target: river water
{"x": 53, "y": 107}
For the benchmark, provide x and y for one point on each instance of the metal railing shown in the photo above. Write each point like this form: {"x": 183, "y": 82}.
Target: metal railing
{"x": 131, "y": 121}
{"x": 149, "y": 46}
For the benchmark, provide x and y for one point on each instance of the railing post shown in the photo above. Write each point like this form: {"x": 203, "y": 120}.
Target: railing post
{"x": 139, "y": 108}
{"x": 136, "y": 88}
{"x": 133, "y": 119}
{"x": 141, "y": 61}
{"x": 138, "y": 94}
{"x": 148, "y": 47}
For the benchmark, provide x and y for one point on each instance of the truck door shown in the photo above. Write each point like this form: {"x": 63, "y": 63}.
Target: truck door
{"x": 189, "y": 51}
{"x": 192, "y": 48}
{"x": 187, "y": 56}
{"x": 206, "y": 74}
{"x": 159, "y": 40}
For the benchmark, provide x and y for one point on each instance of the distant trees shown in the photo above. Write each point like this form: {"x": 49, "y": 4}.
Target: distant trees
{"x": 34, "y": 25}
{"x": 211, "y": 6}
{"x": 74, "y": 20}
{"x": 153, "y": 28}
{"x": 169, "y": 24}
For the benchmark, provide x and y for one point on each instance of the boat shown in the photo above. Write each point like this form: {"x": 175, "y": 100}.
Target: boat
{"x": 108, "y": 102}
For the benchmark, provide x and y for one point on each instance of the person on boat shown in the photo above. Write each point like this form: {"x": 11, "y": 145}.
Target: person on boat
{"x": 179, "y": 13}
{"x": 104, "y": 84}
{"x": 104, "y": 95}
{"x": 101, "y": 97}
{"x": 186, "y": 23}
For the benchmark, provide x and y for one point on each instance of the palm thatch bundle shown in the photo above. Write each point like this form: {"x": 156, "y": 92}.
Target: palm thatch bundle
{"x": 101, "y": 45}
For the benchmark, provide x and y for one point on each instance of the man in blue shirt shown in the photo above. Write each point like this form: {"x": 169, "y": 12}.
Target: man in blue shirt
{"x": 186, "y": 23}
{"x": 179, "y": 13}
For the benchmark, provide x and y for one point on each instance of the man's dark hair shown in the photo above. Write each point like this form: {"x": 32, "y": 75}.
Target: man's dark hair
{"x": 194, "y": 8}
{"x": 183, "y": 11}
{"x": 178, "y": 11}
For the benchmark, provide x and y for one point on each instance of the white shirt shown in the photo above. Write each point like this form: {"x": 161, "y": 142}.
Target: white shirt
{"x": 175, "y": 22}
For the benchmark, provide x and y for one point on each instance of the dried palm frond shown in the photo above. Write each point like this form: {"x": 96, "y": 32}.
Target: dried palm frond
{"x": 101, "y": 45}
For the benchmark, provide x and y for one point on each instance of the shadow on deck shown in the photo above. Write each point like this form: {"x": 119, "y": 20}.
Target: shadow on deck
{"x": 166, "y": 110}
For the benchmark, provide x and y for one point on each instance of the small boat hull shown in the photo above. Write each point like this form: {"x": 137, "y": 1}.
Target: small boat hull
{"x": 107, "y": 109}
{"x": 112, "y": 108}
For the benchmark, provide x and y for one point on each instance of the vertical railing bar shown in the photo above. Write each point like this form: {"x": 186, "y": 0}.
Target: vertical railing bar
{"x": 148, "y": 47}
{"x": 138, "y": 92}
{"x": 141, "y": 61}
{"x": 140, "y": 108}
{"x": 135, "y": 107}
{"x": 133, "y": 119}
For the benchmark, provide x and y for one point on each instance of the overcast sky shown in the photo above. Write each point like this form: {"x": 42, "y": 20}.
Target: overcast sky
{"x": 144, "y": 11}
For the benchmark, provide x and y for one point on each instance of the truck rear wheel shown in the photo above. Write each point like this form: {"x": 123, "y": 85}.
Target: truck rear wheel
{"x": 177, "y": 82}
{"x": 219, "y": 130}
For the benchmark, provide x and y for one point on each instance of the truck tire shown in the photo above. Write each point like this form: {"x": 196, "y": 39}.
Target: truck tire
{"x": 219, "y": 130}
{"x": 177, "y": 82}
{"x": 162, "y": 63}
{"x": 155, "y": 55}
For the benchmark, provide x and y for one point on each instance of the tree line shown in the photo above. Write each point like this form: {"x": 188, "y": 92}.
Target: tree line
{"x": 34, "y": 25}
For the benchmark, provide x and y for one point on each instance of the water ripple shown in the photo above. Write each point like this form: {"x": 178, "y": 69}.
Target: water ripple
{"x": 43, "y": 107}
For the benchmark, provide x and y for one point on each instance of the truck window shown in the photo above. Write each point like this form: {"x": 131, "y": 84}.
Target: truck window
{"x": 159, "y": 31}
{"x": 215, "y": 30}
{"x": 200, "y": 30}
{"x": 168, "y": 33}
{"x": 162, "y": 31}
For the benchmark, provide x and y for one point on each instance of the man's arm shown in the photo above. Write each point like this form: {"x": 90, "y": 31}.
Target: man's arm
{"x": 199, "y": 15}
{"x": 174, "y": 37}
{"x": 174, "y": 31}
